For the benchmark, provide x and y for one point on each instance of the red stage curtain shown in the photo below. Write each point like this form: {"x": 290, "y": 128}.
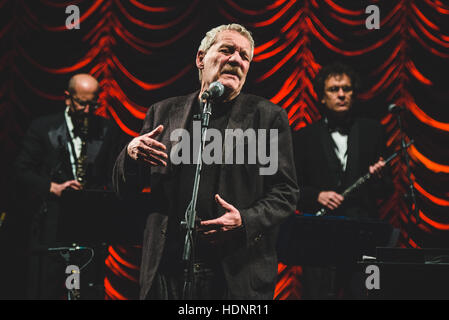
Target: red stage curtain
{"x": 143, "y": 51}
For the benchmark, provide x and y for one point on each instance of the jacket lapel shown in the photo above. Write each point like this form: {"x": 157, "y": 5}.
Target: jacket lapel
{"x": 241, "y": 117}
{"x": 328, "y": 146}
{"x": 178, "y": 117}
{"x": 241, "y": 114}
{"x": 58, "y": 137}
{"x": 179, "y": 114}
{"x": 58, "y": 134}
{"x": 352, "y": 166}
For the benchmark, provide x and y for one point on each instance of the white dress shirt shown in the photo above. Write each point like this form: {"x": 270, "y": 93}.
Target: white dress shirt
{"x": 74, "y": 144}
{"x": 341, "y": 145}
{"x": 341, "y": 150}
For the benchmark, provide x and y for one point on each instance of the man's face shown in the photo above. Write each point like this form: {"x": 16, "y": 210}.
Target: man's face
{"x": 337, "y": 96}
{"x": 227, "y": 61}
{"x": 82, "y": 101}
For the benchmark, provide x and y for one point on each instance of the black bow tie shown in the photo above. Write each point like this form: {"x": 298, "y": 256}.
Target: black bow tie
{"x": 342, "y": 127}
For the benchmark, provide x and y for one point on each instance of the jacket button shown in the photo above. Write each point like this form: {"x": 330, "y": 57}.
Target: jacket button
{"x": 257, "y": 239}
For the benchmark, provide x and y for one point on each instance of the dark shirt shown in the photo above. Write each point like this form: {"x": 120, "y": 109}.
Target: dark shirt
{"x": 207, "y": 208}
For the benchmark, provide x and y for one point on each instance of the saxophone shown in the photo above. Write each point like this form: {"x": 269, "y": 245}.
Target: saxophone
{"x": 81, "y": 162}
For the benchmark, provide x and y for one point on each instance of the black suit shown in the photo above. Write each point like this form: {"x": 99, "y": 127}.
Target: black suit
{"x": 44, "y": 158}
{"x": 319, "y": 169}
{"x": 250, "y": 268}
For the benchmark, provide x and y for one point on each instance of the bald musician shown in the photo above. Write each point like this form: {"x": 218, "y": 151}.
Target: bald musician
{"x": 48, "y": 163}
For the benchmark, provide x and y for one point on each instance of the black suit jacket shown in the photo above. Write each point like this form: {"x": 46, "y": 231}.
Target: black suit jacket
{"x": 264, "y": 202}
{"x": 44, "y": 158}
{"x": 317, "y": 166}
{"x": 44, "y": 155}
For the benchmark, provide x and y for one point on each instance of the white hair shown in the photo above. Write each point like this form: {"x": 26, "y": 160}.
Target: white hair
{"x": 211, "y": 36}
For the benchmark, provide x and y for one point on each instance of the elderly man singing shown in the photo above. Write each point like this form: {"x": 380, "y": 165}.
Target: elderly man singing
{"x": 239, "y": 208}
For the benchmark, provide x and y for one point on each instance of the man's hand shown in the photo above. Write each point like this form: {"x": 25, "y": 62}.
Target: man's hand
{"x": 145, "y": 148}
{"x": 230, "y": 221}
{"x": 330, "y": 199}
{"x": 56, "y": 188}
{"x": 377, "y": 168}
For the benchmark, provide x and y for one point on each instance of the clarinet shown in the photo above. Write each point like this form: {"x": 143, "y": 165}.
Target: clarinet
{"x": 81, "y": 162}
{"x": 81, "y": 176}
{"x": 360, "y": 181}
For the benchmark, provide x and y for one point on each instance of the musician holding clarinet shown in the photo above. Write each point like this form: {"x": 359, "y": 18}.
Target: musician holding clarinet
{"x": 335, "y": 152}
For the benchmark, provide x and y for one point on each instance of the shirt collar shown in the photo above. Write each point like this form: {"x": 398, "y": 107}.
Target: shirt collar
{"x": 69, "y": 122}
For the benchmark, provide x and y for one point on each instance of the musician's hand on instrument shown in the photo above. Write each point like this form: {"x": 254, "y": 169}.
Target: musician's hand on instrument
{"x": 377, "y": 168}
{"x": 57, "y": 188}
{"x": 145, "y": 148}
{"x": 330, "y": 199}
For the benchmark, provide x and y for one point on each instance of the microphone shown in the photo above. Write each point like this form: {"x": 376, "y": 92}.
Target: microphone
{"x": 395, "y": 109}
{"x": 216, "y": 89}
{"x": 67, "y": 248}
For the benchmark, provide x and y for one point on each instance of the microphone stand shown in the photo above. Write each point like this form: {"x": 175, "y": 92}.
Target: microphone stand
{"x": 72, "y": 294}
{"x": 411, "y": 195}
{"x": 190, "y": 214}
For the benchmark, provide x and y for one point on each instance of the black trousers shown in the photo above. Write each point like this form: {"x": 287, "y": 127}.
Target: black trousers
{"x": 207, "y": 283}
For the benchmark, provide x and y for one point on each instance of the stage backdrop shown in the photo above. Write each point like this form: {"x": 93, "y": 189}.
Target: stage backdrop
{"x": 144, "y": 51}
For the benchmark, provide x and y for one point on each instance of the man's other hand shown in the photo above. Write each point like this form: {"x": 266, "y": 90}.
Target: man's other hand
{"x": 217, "y": 229}
{"x": 57, "y": 188}
{"x": 377, "y": 168}
{"x": 330, "y": 199}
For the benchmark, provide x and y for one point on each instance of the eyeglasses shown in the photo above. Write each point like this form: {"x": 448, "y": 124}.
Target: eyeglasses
{"x": 84, "y": 104}
{"x": 335, "y": 89}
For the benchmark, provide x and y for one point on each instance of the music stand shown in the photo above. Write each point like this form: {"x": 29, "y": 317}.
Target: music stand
{"x": 331, "y": 241}
{"x": 97, "y": 219}
{"x": 409, "y": 273}
{"x": 97, "y": 216}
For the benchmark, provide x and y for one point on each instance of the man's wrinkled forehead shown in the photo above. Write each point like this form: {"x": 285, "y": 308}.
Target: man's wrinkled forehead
{"x": 232, "y": 38}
